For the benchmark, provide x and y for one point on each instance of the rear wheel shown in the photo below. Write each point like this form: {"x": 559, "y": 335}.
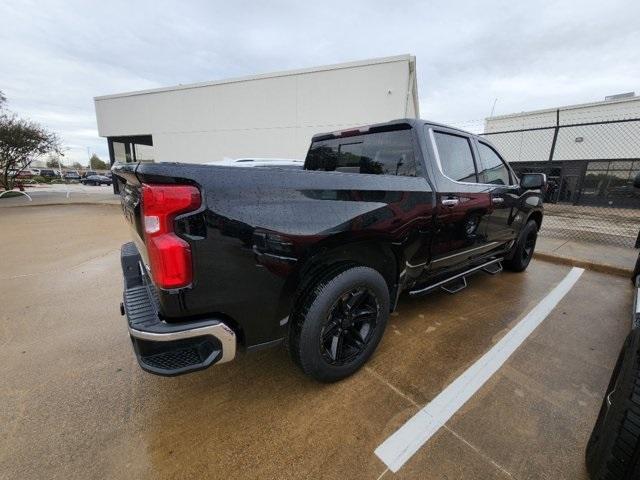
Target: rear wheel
{"x": 340, "y": 323}
{"x": 523, "y": 249}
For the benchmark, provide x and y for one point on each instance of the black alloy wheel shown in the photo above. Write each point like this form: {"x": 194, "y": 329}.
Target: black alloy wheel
{"x": 338, "y": 322}
{"x": 523, "y": 249}
{"x": 350, "y": 325}
{"x": 529, "y": 245}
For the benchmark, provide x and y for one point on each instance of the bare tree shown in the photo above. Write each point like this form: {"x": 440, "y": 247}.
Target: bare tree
{"x": 22, "y": 142}
{"x": 53, "y": 161}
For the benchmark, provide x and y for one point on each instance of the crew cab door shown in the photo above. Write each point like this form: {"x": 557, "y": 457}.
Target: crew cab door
{"x": 504, "y": 192}
{"x": 463, "y": 204}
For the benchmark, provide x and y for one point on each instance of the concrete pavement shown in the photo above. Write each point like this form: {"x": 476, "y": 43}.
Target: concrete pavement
{"x": 62, "y": 194}
{"x": 599, "y": 257}
{"x": 75, "y": 404}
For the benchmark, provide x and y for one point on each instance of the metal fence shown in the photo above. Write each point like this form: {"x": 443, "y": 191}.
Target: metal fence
{"x": 590, "y": 166}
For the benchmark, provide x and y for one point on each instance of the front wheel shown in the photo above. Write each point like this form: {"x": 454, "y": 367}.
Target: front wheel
{"x": 523, "y": 249}
{"x": 340, "y": 323}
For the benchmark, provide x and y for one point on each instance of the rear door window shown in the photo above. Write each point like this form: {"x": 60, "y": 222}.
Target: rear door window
{"x": 456, "y": 158}
{"x": 380, "y": 153}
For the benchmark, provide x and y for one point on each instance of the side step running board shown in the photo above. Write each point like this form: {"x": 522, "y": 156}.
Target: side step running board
{"x": 454, "y": 286}
{"x": 493, "y": 268}
{"x": 448, "y": 285}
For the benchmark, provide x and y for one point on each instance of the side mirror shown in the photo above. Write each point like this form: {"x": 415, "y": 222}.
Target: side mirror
{"x": 636, "y": 181}
{"x": 533, "y": 181}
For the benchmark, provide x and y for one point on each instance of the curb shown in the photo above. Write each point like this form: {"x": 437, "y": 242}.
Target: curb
{"x": 593, "y": 266}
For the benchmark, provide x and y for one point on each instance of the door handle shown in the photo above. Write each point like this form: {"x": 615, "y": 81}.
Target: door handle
{"x": 497, "y": 200}
{"x": 450, "y": 202}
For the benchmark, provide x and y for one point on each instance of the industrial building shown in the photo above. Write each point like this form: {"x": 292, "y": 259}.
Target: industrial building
{"x": 271, "y": 115}
{"x": 590, "y": 152}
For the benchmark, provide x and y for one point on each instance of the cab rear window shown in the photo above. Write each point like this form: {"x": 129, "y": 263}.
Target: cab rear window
{"x": 380, "y": 153}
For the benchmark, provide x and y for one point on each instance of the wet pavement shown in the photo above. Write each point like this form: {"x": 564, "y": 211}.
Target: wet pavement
{"x": 61, "y": 194}
{"x": 74, "y": 403}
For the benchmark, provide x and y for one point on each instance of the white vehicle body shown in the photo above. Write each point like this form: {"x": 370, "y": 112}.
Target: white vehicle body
{"x": 259, "y": 162}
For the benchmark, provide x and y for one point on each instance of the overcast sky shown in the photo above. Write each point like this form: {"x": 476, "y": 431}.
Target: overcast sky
{"x": 55, "y": 56}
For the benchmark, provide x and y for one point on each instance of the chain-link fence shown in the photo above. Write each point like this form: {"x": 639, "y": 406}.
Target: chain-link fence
{"x": 590, "y": 166}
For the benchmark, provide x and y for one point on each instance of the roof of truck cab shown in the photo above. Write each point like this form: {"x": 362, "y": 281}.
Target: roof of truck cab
{"x": 410, "y": 121}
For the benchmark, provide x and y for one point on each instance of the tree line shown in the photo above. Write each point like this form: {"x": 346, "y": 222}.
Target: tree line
{"x": 95, "y": 163}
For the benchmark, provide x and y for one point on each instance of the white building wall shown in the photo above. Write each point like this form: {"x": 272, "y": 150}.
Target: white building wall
{"x": 601, "y": 141}
{"x": 267, "y": 116}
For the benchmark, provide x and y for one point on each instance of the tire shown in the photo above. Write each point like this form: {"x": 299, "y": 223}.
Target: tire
{"x": 339, "y": 323}
{"x": 613, "y": 451}
{"x": 523, "y": 250}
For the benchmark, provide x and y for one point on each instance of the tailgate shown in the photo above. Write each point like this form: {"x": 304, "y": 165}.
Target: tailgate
{"x": 130, "y": 196}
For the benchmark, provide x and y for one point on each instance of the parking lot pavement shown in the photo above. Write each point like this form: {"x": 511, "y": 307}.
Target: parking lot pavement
{"x": 55, "y": 194}
{"x": 74, "y": 403}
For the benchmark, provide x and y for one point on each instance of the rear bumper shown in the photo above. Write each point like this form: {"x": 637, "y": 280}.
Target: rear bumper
{"x": 168, "y": 348}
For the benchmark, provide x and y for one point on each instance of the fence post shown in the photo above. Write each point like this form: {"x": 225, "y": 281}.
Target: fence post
{"x": 555, "y": 136}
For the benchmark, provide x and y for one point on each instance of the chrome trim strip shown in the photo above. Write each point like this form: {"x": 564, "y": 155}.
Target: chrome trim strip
{"x": 222, "y": 332}
{"x": 464, "y": 252}
{"x": 458, "y": 275}
{"x": 273, "y": 255}
{"x": 416, "y": 265}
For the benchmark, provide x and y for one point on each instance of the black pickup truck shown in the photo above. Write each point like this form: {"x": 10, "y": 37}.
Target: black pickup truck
{"x": 227, "y": 259}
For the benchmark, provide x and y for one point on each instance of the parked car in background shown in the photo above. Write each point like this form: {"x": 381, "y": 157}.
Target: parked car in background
{"x": 24, "y": 174}
{"x": 20, "y": 174}
{"x": 48, "y": 173}
{"x": 89, "y": 173}
{"x": 96, "y": 180}
{"x": 71, "y": 175}
{"x": 260, "y": 162}
{"x": 613, "y": 450}
{"x": 228, "y": 258}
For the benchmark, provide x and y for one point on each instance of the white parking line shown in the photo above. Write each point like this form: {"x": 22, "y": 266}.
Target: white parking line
{"x": 404, "y": 442}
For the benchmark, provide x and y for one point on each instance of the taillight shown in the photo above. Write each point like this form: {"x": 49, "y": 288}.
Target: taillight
{"x": 169, "y": 255}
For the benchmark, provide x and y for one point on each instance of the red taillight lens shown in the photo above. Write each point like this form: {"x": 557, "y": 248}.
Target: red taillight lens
{"x": 169, "y": 255}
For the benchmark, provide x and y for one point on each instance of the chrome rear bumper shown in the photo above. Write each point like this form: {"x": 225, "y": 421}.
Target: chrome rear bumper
{"x": 166, "y": 348}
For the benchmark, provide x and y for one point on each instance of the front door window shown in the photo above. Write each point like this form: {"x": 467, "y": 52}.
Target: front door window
{"x": 494, "y": 171}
